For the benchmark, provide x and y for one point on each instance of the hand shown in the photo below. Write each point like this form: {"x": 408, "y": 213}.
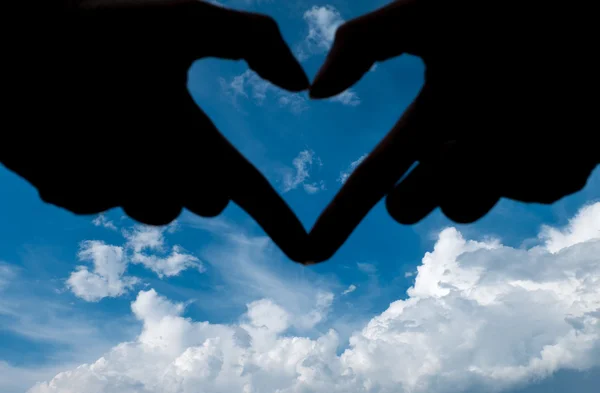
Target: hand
{"x": 506, "y": 109}
{"x": 103, "y": 118}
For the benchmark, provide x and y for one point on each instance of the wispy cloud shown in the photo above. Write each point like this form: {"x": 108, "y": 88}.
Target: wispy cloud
{"x": 250, "y": 86}
{"x": 299, "y": 176}
{"x": 102, "y": 221}
{"x": 61, "y": 335}
{"x": 344, "y": 175}
{"x": 350, "y": 289}
{"x": 365, "y": 267}
{"x": 347, "y": 97}
{"x": 252, "y": 268}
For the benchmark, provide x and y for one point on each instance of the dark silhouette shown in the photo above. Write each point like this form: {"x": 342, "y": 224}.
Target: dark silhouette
{"x": 508, "y": 109}
{"x": 98, "y": 112}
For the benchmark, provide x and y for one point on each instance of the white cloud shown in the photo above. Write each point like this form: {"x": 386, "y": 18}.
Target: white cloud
{"x": 251, "y": 86}
{"x": 480, "y": 315}
{"x": 301, "y": 173}
{"x": 145, "y": 237}
{"x": 322, "y": 21}
{"x": 7, "y": 274}
{"x": 347, "y": 97}
{"x": 584, "y": 226}
{"x": 108, "y": 276}
{"x": 102, "y": 221}
{"x": 170, "y": 265}
{"x": 313, "y": 188}
{"x": 350, "y": 289}
{"x": 58, "y": 336}
{"x": 144, "y": 245}
{"x": 344, "y": 175}
{"x": 294, "y": 102}
{"x": 253, "y": 269}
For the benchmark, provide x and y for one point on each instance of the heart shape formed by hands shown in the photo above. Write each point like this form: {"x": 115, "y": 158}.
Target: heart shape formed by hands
{"x": 122, "y": 68}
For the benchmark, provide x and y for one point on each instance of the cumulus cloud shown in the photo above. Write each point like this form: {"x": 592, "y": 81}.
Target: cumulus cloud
{"x": 143, "y": 245}
{"x": 250, "y": 86}
{"x": 174, "y": 354}
{"x": 480, "y": 315}
{"x": 344, "y": 175}
{"x": 107, "y": 278}
{"x": 301, "y": 173}
{"x": 584, "y": 226}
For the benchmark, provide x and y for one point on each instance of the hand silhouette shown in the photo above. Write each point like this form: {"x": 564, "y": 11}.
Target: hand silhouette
{"x": 103, "y": 117}
{"x": 504, "y": 110}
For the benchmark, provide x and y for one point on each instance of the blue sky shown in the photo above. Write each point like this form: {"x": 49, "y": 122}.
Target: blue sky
{"x": 100, "y": 304}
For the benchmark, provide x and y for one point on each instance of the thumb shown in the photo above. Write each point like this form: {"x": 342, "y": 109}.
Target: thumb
{"x": 380, "y": 35}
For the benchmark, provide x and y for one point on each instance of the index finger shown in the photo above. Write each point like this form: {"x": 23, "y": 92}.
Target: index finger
{"x": 370, "y": 182}
{"x": 385, "y": 33}
{"x": 255, "y": 195}
{"x": 230, "y": 176}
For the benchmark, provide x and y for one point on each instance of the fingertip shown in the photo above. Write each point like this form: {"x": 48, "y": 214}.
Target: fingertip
{"x": 283, "y": 71}
{"x": 208, "y": 207}
{"x": 152, "y": 214}
{"x": 469, "y": 207}
{"x": 271, "y": 58}
{"x": 406, "y": 210}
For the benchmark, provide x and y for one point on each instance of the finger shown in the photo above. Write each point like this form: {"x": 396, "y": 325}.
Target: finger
{"x": 200, "y": 183}
{"x": 450, "y": 180}
{"x": 547, "y": 184}
{"x": 472, "y": 204}
{"x": 253, "y": 193}
{"x": 152, "y": 210}
{"x": 230, "y": 176}
{"x": 414, "y": 198}
{"x": 210, "y": 206}
{"x": 380, "y": 35}
{"x": 54, "y": 184}
{"x": 469, "y": 183}
{"x": 256, "y": 38}
{"x": 147, "y": 195}
{"x": 373, "y": 179}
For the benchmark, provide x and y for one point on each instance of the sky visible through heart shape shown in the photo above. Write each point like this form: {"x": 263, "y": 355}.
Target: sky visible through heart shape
{"x": 100, "y": 304}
